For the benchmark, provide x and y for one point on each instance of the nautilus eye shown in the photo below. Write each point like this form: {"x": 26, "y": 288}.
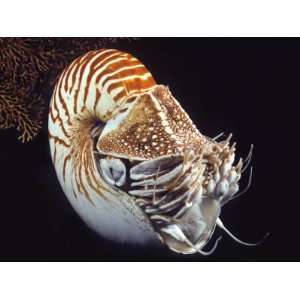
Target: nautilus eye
{"x": 113, "y": 171}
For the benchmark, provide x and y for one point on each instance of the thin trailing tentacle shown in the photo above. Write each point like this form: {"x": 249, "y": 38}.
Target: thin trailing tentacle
{"x": 212, "y": 250}
{"x": 227, "y": 141}
{"x": 222, "y": 226}
{"x": 246, "y": 188}
{"x": 204, "y": 253}
{"x": 218, "y": 136}
{"x": 179, "y": 235}
{"x": 247, "y": 159}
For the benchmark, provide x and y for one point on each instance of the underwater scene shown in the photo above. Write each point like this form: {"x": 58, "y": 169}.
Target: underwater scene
{"x": 148, "y": 149}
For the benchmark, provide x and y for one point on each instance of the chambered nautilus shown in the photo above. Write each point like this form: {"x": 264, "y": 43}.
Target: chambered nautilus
{"x": 130, "y": 160}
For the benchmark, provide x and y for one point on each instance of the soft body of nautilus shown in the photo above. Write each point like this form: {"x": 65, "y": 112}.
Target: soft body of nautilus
{"x": 130, "y": 160}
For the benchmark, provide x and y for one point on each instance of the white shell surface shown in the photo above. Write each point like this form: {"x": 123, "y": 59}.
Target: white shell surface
{"x": 118, "y": 219}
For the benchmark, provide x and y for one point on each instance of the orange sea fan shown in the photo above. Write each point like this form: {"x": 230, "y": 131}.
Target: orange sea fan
{"x": 28, "y": 66}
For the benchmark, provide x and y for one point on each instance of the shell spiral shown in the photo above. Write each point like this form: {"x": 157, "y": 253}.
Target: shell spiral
{"x": 130, "y": 160}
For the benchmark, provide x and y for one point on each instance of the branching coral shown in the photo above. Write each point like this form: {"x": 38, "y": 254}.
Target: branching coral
{"x": 28, "y": 66}
{"x": 25, "y": 117}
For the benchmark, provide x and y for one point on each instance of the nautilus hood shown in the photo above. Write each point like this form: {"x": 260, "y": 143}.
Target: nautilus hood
{"x": 148, "y": 126}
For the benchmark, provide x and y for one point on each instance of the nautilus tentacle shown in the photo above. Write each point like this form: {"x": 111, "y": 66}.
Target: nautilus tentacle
{"x": 131, "y": 161}
{"x": 222, "y": 226}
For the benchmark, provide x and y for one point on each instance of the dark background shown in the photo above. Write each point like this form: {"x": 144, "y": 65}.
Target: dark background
{"x": 249, "y": 87}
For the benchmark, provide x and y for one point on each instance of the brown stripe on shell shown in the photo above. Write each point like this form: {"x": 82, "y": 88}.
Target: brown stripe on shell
{"x": 120, "y": 96}
{"x": 138, "y": 84}
{"x": 54, "y": 155}
{"x": 58, "y": 140}
{"x": 114, "y": 85}
{"x": 138, "y": 69}
{"x": 60, "y": 121}
{"x": 70, "y": 69}
{"x": 66, "y": 159}
{"x": 92, "y": 71}
{"x": 97, "y": 99}
{"x": 61, "y": 99}
{"x": 57, "y": 118}
{"x": 109, "y": 64}
{"x": 82, "y": 66}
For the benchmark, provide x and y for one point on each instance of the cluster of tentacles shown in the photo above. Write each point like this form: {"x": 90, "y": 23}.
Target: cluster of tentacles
{"x": 224, "y": 189}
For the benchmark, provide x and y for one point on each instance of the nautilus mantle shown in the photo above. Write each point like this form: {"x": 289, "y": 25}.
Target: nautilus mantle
{"x": 130, "y": 160}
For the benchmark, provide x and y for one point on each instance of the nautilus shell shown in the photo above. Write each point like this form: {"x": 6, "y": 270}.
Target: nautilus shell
{"x": 130, "y": 160}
